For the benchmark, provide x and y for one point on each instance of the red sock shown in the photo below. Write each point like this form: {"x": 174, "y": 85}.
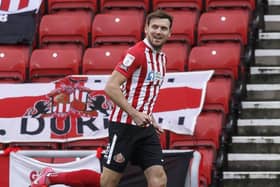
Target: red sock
{"x": 79, "y": 178}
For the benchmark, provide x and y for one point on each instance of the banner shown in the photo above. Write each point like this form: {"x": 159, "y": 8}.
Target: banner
{"x": 181, "y": 166}
{"x": 76, "y": 107}
{"x": 18, "y": 21}
{"x": 23, "y": 169}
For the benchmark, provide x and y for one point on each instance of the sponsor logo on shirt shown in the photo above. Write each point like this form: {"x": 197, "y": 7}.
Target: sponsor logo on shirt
{"x": 154, "y": 76}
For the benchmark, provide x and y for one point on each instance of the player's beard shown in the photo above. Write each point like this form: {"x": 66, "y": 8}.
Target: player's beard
{"x": 155, "y": 46}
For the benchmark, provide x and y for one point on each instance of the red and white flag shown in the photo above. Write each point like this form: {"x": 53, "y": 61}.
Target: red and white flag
{"x": 23, "y": 170}
{"x": 77, "y": 107}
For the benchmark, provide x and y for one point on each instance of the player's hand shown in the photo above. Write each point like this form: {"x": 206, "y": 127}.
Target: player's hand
{"x": 142, "y": 119}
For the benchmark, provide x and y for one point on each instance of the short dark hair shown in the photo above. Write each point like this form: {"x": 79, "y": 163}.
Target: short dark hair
{"x": 159, "y": 14}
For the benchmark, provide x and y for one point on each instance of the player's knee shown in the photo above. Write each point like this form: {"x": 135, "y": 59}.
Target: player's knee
{"x": 159, "y": 180}
{"x": 107, "y": 181}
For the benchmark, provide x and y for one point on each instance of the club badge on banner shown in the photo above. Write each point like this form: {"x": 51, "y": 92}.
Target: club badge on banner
{"x": 23, "y": 169}
{"x": 77, "y": 107}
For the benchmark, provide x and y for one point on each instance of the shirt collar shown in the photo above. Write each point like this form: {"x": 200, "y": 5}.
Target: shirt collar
{"x": 146, "y": 41}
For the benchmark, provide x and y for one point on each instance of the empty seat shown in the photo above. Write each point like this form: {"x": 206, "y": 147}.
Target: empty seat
{"x": 39, "y": 145}
{"x": 184, "y": 26}
{"x": 125, "y": 4}
{"x": 13, "y": 63}
{"x": 92, "y": 144}
{"x": 56, "y": 5}
{"x": 214, "y": 4}
{"x": 118, "y": 27}
{"x": 218, "y": 94}
{"x": 51, "y": 64}
{"x": 171, "y": 4}
{"x": 177, "y": 56}
{"x": 208, "y": 131}
{"x": 66, "y": 27}
{"x": 102, "y": 60}
{"x": 223, "y": 58}
{"x": 224, "y": 25}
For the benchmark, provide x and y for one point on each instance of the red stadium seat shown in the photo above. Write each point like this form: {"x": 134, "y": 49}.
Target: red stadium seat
{"x": 39, "y": 145}
{"x": 56, "y": 5}
{"x": 59, "y": 160}
{"x": 207, "y": 165}
{"x": 224, "y": 25}
{"x": 218, "y": 94}
{"x": 208, "y": 131}
{"x": 50, "y": 64}
{"x": 171, "y": 4}
{"x": 184, "y": 32}
{"x": 223, "y": 58}
{"x": 214, "y": 4}
{"x": 13, "y": 63}
{"x": 65, "y": 27}
{"x": 125, "y": 4}
{"x": 102, "y": 60}
{"x": 177, "y": 56}
{"x": 86, "y": 144}
{"x": 125, "y": 27}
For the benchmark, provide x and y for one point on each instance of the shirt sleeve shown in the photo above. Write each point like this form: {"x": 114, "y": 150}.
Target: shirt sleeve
{"x": 128, "y": 64}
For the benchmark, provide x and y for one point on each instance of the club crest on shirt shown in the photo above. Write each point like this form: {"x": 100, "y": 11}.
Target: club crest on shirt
{"x": 127, "y": 61}
{"x": 119, "y": 158}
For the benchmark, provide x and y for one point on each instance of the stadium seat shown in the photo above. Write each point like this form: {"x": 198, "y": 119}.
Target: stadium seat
{"x": 218, "y": 94}
{"x": 87, "y": 144}
{"x": 117, "y": 28}
{"x": 50, "y": 64}
{"x": 57, "y": 5}
{"x": 177, "y": 56}
{"x": 184, "y": 32}
{"x": 13, "y": 63}
{"x": 208, "y": 131}
{"x": 38, "y": 145}
{"x": 180, "y": 4}
{"x": 224, "y": 25}
{"x": 102, "y": 60}
{"x": 66, "y": 27}
{"x": 125, "y": 4}
{"x": 60, "y": 160}
{"x": 223, "y": 58}
{"x": 215, "y": 4}
{"x": 207, "y": 166}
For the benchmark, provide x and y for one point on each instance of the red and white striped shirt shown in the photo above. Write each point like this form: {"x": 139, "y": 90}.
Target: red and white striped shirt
{"x": 144, "y": 69}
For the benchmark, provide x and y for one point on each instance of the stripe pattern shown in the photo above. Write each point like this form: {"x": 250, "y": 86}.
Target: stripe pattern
{"x": 142, "y": 88}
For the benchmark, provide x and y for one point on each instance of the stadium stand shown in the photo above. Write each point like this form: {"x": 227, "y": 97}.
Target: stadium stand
{"x": 243, "y": 4}
{"x": 86, "y": 144}
{"x": 58, "y": 5}
{"x": 143, "y": 5}
{"x": 223, "y": 25}
{"x": 80, "y": 37}
{"x": 50, "y": 64}
{"x": 196, "y": 5}
{"x": 224, "y": 59}
{"x": 13, "y": 63}
{"x": 65, "y": 27}
{"x": 115, "y": 28}
{"x": 102, "y": 59}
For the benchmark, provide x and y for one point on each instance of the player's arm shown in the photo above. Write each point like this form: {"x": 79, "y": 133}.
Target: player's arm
{"x": 113, "y": 90}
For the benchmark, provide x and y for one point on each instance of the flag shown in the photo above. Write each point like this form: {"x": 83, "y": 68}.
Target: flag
{"x": 18, "y": 21}
{"x": 181, "y": 166}
{"x": 77, "y": 107}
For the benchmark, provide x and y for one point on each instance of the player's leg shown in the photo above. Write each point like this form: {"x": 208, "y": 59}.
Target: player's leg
{"x": 109, "y": 178}
{"x": 117, "y": 154}
{"x": 150, "y": 157}
{"x": 156, "y": 176}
